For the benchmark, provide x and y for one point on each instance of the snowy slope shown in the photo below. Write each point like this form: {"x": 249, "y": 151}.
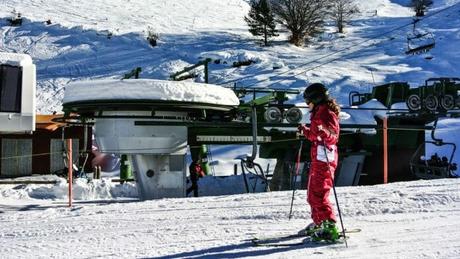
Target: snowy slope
{"x": 417, "y": 219}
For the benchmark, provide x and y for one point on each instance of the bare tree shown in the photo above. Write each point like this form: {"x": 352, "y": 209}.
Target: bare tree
{"x": 303, "y": 18}
{"x": 420, "y": 6}
{"x": 261, "y": 20}
{"x": 341, "y": 12}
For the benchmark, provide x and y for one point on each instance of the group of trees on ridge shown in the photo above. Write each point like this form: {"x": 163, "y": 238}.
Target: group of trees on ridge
{"x": 305, "y": 18}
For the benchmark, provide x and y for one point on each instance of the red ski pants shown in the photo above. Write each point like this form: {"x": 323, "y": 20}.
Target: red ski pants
{"x": 320, "y": 182}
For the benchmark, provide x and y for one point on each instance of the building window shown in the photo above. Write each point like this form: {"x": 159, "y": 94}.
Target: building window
{"x": 10, "y": 88}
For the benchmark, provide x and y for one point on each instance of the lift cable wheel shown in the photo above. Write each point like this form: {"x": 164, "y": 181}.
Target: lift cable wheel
{"x": 431, "y": 102}
{"x": 447, "y": 102}
{"x": 414, "y": 102}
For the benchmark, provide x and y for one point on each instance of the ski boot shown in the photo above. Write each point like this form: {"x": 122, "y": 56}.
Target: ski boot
{"x": 309, "y": 230}
{"x": 327, "y": 232}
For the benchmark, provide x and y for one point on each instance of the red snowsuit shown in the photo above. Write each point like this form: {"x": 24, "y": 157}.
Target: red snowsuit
{"x": 324, "y": 130}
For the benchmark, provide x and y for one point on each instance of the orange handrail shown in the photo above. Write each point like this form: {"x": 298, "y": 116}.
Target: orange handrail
{"x": 69, "y": 166}
{"x": 385, "y": 150}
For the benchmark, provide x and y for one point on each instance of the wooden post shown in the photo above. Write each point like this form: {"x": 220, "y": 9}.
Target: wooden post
{"x": 70, "y": 166}
{"x": 385, "y": 150}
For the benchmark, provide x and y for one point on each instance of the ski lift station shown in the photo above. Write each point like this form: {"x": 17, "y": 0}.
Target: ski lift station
{"x": 17, "y": 93}
{"x": 147, "y": 119}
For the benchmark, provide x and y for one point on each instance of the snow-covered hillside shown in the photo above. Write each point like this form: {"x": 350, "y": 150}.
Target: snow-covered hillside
{"x": 417, "y": 219}
{"x": 75, "y": 46}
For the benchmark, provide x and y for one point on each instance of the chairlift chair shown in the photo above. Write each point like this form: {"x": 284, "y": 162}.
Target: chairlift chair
{"x": 257, "y": 173}
{"x": 427, "y": 171}
{"x": 419, "y": 42}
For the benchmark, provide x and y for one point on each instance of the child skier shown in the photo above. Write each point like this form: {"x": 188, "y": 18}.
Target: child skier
{"x": 324, "y": 135}
{"x": 196, "y": 172}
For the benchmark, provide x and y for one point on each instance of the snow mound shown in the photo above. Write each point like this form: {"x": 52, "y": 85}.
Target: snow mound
{"x": 83, "y": 189}
{"x": 149, "y": 89}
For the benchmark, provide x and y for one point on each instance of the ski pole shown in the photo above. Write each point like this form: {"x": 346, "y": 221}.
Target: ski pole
{"x": 335, "y": 195}
{"x": 296, "y": 173}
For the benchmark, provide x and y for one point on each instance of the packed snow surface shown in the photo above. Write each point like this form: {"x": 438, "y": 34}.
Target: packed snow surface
{"x": 418, "y": 219}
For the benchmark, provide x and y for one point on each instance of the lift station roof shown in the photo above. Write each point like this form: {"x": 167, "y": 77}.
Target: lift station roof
{"x": 140, "y": 93}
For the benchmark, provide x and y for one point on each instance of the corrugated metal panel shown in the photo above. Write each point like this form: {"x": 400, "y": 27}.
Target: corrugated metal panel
{"x": 18, "y": 154}
{"x": 56, "y": 159}
{"x": 176, "y": 162}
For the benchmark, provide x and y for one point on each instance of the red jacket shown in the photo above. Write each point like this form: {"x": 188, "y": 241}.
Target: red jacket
{"x": 324, "y": 129}
{"x": 196, "y": 171}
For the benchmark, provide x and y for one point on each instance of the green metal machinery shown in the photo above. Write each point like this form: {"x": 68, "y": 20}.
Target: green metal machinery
{"x": 387, "y": 94}
{"x": 264, "y": 119}
{"x": 438, "y": 95}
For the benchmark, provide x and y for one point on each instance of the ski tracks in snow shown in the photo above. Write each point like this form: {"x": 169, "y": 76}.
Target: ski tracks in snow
{"x": 419, "y": 220}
